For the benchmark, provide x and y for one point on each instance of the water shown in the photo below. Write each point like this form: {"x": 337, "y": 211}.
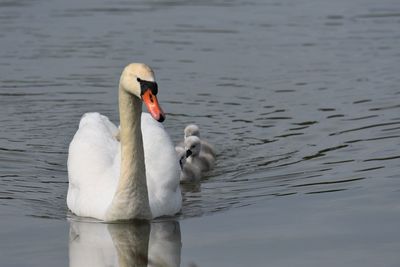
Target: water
{"x": 301, "y": 99}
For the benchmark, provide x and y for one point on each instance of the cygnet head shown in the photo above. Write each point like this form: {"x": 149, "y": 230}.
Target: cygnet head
{"x": 138, "y": 79}
{"x": 192, "y": 130}
{"x": 192, "y": 146}
{"x": 181, "y": 152}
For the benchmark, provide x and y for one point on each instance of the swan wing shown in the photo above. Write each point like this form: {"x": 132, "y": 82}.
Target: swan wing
{"x": 92, "y": 171}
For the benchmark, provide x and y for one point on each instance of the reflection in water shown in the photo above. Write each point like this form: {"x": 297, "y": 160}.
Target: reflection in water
{"x": 136, "y": 243}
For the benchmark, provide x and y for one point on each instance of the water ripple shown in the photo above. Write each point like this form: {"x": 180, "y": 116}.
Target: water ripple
{"x": 365, "y": 127}
{"x": 309, "y": 118}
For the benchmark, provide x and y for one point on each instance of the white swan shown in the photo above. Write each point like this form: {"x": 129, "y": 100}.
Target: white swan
{"x": 190, "y": 173}
{"x": 135, "y": 178}
{"x": 194, "y": 156}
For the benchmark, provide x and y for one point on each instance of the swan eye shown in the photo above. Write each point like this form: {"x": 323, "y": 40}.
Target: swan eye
{"x": 147, "y": 85}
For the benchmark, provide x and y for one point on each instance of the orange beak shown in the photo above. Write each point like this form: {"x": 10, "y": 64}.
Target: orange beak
{"x": 152, "y": 106}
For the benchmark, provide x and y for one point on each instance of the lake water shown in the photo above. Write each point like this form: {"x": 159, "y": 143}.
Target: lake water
{"x": 300, "y": 97}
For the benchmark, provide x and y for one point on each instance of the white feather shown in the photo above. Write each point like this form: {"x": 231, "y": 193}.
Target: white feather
{"x": 94, "y": 167}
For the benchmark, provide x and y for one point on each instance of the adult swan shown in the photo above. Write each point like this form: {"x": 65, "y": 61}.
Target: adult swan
{"x": 107, "y": 178}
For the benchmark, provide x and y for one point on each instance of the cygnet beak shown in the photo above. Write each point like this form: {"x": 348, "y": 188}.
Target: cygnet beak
{"x": 181, "y": 163}
{"x": 188, "y": 153}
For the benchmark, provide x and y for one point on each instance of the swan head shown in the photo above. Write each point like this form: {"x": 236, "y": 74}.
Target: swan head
{"x": 192, "y": 130}
{"x": 192, "y": 146}
{"x": 138, "y": 79}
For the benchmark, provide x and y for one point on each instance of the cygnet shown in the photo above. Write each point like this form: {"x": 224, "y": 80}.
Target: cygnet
{"x": 195, "y": 156}
{"x": 190, "y": 173}
{"x": 194, "y": 130}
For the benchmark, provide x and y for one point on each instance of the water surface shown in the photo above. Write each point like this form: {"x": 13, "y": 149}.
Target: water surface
{"x": 301, "y": 99}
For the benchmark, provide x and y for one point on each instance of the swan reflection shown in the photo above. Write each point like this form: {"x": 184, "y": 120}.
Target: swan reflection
{"x": 137, "y": 243}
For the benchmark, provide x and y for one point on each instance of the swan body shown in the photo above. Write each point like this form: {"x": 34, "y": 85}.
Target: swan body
{"x": 195, "y": 156}
{"x": 137, "y": 177}
{"x": 190, "y": 173}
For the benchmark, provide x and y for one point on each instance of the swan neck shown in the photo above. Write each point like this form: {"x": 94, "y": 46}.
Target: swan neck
{"x": 131, "y": 197}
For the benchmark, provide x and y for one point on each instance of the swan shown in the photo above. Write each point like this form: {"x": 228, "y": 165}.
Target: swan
{"x": 190, "y": 173}
{"x": 203, "y": 161}
{"x": 137, "y": 177}
{"x": 194, "y": 130}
